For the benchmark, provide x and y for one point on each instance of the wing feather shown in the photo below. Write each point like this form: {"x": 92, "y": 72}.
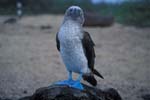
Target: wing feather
{"x": 57, "y": 42}
{"x": 88, "y": 46}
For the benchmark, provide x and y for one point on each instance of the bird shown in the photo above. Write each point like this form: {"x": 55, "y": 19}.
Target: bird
{"x": 76, "y": 46}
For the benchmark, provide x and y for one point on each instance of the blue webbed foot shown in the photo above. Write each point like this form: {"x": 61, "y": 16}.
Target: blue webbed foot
{"x": 71, "y": 83}
{"x": 77, "y": 85}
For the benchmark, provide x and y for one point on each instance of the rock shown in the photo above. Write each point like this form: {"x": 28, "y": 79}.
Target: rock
{"x": 59, "y": 92}
{"x": 146, "y": 97}
{"x": 10, "y": 21}
{"x": 25, "y": 98}
{"x": 4, "y": 99}
{"x": 43, "y": 27}
{"x": 94, "y": 19}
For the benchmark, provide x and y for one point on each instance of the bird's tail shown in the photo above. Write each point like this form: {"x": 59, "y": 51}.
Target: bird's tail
{"x": 97, "y": 73}
{"x": 90, "y": 78}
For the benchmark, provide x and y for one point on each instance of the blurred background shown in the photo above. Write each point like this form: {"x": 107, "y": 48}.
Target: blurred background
{"x": 132, "y": 12}
{"x": 29, "y": 58}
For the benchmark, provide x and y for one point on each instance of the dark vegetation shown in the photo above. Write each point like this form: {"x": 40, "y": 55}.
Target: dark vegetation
{"x": 129, "y": 13}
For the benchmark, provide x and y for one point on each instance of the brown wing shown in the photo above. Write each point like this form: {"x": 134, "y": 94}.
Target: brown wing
{"x": 88, "y": 46}
{"x": 89, "y": 51}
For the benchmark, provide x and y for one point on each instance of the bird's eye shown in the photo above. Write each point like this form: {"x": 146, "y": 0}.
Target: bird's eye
{"x": 71, "y": 10}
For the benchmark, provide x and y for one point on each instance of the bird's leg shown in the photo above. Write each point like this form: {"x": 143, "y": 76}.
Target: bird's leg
{"x": 80, "y": 77}
{"x": 77, "y": 84}
{"x": 68, "y": 81}
{"x": 70, "y": 76}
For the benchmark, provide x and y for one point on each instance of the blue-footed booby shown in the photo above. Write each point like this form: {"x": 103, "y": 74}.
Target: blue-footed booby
{"x": 76, "y": 48}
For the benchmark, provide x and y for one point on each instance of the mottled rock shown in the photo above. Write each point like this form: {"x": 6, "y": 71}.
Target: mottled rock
{"x": 59, "y": 92}
{"x": 5, "y": 99}
{"x": 146, "y": 97}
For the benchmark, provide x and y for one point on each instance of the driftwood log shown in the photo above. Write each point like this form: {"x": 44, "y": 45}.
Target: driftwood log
{"x": 94, "y": 19}
{"x": 59, "y": 92}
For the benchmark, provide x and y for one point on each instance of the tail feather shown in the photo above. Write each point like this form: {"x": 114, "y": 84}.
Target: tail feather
{"x": 97, "y": 73}
{"x": 91, "y": 79}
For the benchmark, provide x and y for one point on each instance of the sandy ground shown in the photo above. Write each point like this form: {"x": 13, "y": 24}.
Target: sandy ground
{"x": 29, "y": 58}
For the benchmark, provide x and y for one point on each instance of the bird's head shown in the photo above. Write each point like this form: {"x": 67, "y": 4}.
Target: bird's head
{"x": 75, "y": 13}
